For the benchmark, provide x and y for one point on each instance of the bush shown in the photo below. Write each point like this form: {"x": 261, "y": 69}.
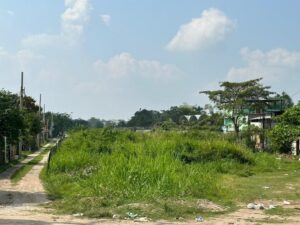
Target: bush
{"x": 282, "y": 137}
{"x": 286, "y": 130}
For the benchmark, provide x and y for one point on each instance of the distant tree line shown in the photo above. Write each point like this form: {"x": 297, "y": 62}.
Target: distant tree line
{"x": 174, "y": 117}
{"x": 178, "y": 116}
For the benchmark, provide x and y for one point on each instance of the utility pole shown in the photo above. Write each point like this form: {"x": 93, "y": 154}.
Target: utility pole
{"x": 38, "y": 137}
{"x": 47, "y": 130}
{"x": 44, "y": 124}
{"x": 21, "y": 108}
{"x": 22, "y": 91}
{"x": 51, "y": 126}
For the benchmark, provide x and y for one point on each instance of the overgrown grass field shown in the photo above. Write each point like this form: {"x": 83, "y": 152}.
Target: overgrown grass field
{"x": 102, "y": 172}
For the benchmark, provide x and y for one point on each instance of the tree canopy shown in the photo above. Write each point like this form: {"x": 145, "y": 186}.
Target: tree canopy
{"x": 13, "y": 119}
{"x": 236, "y": 97}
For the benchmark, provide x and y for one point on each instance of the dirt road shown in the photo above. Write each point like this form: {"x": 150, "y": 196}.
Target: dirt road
{"x": 22, "y": 204}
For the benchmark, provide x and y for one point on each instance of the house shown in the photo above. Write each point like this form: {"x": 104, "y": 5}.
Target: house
{"x": 259, "y": 113}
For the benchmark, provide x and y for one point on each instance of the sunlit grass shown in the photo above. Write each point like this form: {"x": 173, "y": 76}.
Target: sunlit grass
{"x": 105, "y": 171}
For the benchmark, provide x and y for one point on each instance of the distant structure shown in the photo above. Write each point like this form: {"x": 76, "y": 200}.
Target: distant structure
{"x": 189, "y": 117}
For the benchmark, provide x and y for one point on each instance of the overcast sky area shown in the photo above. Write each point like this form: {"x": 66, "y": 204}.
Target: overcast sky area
{"x": 109, "y": 58}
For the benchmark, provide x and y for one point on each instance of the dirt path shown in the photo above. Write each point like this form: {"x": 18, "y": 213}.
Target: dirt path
{"x": 21, "y": 204}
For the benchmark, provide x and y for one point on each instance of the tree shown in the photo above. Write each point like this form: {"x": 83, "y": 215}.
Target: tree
{"x": 286, "y": 130}
{"x": 80, "y": 123}
{"x": 11, "y": 118}
{"x": 62, "y": 123}
{"x": 236, "y": 97}
{"x": 287, "y": 101}
{"x": 144, "y": 118}
{"x": 32, "y": 120}
{"x": 176, "y": 113}
{"x": 95, "y": 123}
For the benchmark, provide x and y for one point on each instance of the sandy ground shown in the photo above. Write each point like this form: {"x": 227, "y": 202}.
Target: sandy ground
{"x": 22, "y": 204}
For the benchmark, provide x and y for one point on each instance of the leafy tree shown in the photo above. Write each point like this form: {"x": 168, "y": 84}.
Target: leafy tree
{"x": 287, "y": 101}
{"x": 80, "y": 123}
{"x": 168, "y": 125}
{"x": 236, "y": 97}
{"x": 95, "y": 123}
{"x": 11, "y": 119}
{"x": 144, "y": 118}
{"x": 286, "y": 130}
{"x": 32, "y": 122}
{"x": 176, "y": 113}
{"x": 62, "y": 123}
{"x": 213, "y": 121}
{"x": 122, "y": 123}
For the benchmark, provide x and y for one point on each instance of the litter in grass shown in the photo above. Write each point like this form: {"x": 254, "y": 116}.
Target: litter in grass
{"x": 255, "y": 206}
{"x": 131, "y": 215}
{"x": 251, "y": 206}
{"x": 199, "y": 219}
{"x": 272, "y": 206}
{"x": 115, "y": 216}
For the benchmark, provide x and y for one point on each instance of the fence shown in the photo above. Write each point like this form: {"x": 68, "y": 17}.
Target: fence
{"x": 53, "y": 151}
{"x": 8, "y": 154}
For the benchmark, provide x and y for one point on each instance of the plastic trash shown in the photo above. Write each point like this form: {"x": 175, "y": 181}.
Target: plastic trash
{"x": 259, "y": 206}
{"x": 199, "y": 219}
{"x": 131, "y": 215}
{"x": 251, "y": 206}
{"x": 286, "y": 202}
{"x": 255, "y": 206}
{"x": 272, "y": 206}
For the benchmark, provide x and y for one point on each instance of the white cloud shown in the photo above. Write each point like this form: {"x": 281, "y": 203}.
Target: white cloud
{"x": 211, "y": 27}
{"x": 105, "y": 18}
{"x": 273, "y": 65}
{"x": 73, "y": 20}
{"x": 124, "y": 65}
{"x": 11, "y": 13}
{"x": 75, "y": 16}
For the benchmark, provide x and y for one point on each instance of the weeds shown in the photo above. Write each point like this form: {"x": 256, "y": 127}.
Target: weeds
{"x": 111, "y": 169}
{"x": 23, "y": 170}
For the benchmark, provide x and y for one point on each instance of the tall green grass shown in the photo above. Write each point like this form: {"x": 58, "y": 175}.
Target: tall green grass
{"x": 105, "y": 167}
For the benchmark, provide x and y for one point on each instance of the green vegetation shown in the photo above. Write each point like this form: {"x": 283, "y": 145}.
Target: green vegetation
{"x": 4, "y": 167}
{"x": 20, "y": 173}
{"x": 101, "y": 172}
{"x": 286, "y": 130}
{"x": 236, "y": 97}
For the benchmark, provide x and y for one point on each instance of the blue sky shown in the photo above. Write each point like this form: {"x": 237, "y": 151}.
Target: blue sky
{"x": 109, "y": 58}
